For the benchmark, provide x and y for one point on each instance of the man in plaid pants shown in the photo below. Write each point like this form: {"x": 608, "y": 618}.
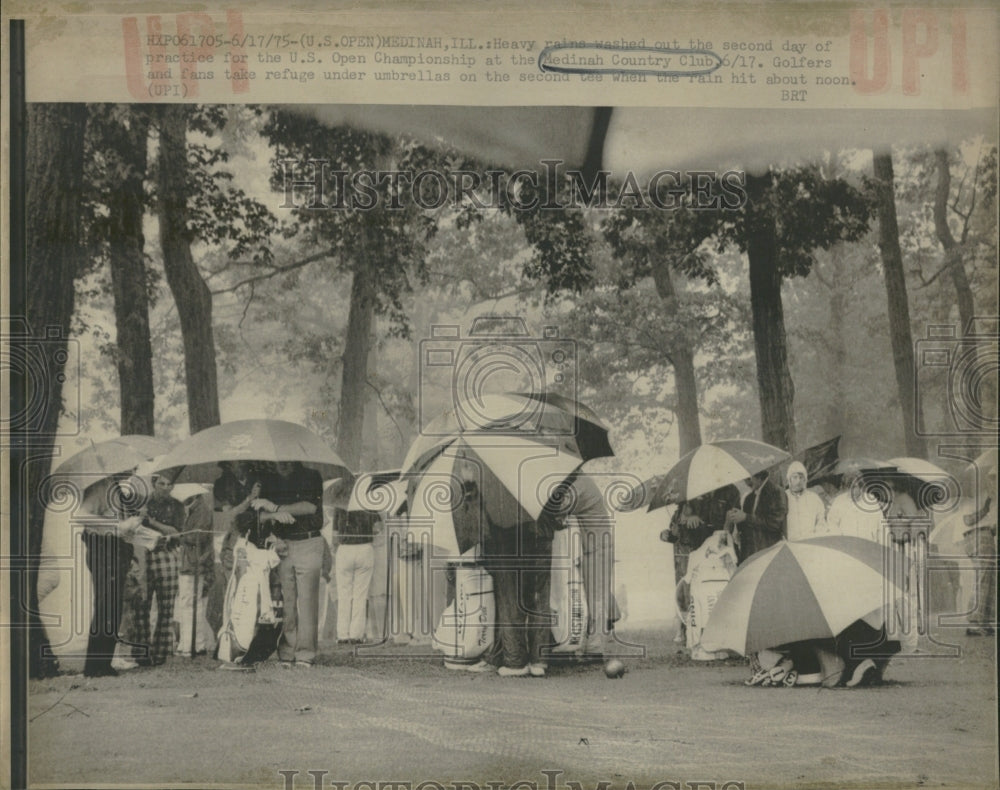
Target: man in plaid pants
{"x": 166, "y": 515}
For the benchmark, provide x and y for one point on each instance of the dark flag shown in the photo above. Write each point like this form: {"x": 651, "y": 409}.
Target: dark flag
{"x": 820, "y": 459}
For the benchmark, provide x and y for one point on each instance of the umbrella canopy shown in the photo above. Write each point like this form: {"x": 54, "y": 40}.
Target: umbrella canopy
{"x": 986, "y": 461}
{"x": 920, "y": 469}
{"x": 111, "y": 457}
{"x": 251, "y": 440}
{"x": 512, "y": 478}
{"x": 949, "y": 532}
{"x": 808, "y": 589}
{"x": 555, "y": 417}
{"x": 713, "y": 466}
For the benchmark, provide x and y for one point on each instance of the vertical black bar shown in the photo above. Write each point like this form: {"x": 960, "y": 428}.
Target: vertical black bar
{"x": 18, "y": 507}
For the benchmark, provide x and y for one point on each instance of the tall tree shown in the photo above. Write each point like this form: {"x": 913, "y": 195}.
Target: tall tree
{"x": 54, "y": 168}
{"x": 374, "y": 232}
{"x": 774, "y": 381}
{"x": 898, "y": 303}
{"x": 118, "y": 139}
{"x": 651, "y": 244}
{"x": 191, "y": 294}
{"x": 357, "y": 349}
{"x": 954, "y": 251}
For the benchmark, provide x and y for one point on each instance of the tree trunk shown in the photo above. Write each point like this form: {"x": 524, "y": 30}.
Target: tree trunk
{"x": 191, "y": 294}
{"x": 898, "y": 303}
{"x": 126, "y": 206}
{"x": 682, "y": 357}
{"x": 371, "y": 456}
{"x": 953, "y": 257}
{"x": 54, "y": 169}
{"x": 354, "y": 384}
{"x": 837, "y": 405}
{"x": 770, "y": 342}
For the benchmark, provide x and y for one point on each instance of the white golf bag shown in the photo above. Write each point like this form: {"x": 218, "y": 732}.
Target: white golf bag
{"x": 465, "y": 631}
{"x": 567, "y": 597}
{"x": 248, "y": 603}
{"x": 710, "y": 567}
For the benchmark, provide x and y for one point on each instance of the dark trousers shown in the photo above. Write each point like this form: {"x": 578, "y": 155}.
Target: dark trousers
{"x": 108, "y": 559}
{"x": 859, "y": 641}
{"x": 522, "y": 577}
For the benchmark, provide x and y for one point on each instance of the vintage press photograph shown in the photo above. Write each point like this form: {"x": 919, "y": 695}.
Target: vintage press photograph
{"x": 492, "y": 446}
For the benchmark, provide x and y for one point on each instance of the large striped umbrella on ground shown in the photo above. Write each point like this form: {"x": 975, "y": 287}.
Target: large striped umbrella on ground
{"x": 713, "y": 466}
{"x": 808, "y": 589}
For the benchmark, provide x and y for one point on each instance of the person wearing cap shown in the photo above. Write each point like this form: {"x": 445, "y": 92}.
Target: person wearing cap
{"x": 806, "y": 511}
{"x": 165, "y": 515}
{"x": 291, "y": 513}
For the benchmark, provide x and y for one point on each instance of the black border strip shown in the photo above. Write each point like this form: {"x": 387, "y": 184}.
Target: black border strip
{"x": 17, "y": 269}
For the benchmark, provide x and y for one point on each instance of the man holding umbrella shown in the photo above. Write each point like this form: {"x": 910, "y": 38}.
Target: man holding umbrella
{"x": 292, "y": 510}
{"x": 761, "y": 522}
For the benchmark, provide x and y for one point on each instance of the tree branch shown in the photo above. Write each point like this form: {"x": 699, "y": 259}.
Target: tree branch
{"x": 275, "y": 270}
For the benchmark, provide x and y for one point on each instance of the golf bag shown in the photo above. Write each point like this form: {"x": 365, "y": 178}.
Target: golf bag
{"x": 465, "y": 631}
{"x": 710, "y": 567}
{"x": 567, "y": 597}
{"x": 252, "y": 615}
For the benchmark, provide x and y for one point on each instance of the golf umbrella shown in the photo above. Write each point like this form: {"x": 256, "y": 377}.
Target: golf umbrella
{"x": 512, "y": 477}
{"x": 554, "y": 417}
{"x": 949, "y": 532}
{"x": 808, "y": 589}
{"x": 920, "y": 469}
{"x": 936, "y": 485}
{"x": 250, "y": 440}
{"x": 111, "y": 457}
{"x": 713, "y": 466}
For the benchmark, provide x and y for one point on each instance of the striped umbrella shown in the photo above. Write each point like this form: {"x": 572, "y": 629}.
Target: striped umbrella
{"x": 808, "y": 589}
{"x": 560, "y": 420}
{"x": 513, "y": 478}
{"x": 713, "y": 466}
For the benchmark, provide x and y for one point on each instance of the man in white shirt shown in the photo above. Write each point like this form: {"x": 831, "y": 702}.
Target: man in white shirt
{"x": 806, "y": 511}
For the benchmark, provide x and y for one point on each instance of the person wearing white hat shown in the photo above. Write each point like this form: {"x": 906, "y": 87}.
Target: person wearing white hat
{"x": 806, "y": 511}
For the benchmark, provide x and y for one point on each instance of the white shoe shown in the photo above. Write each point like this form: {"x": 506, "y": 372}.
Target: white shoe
{"x": 860, "y": 671}
{"x": 512, "y": 672}
{"x": 123, "y": 664}
{"x": 536, "y": 670}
